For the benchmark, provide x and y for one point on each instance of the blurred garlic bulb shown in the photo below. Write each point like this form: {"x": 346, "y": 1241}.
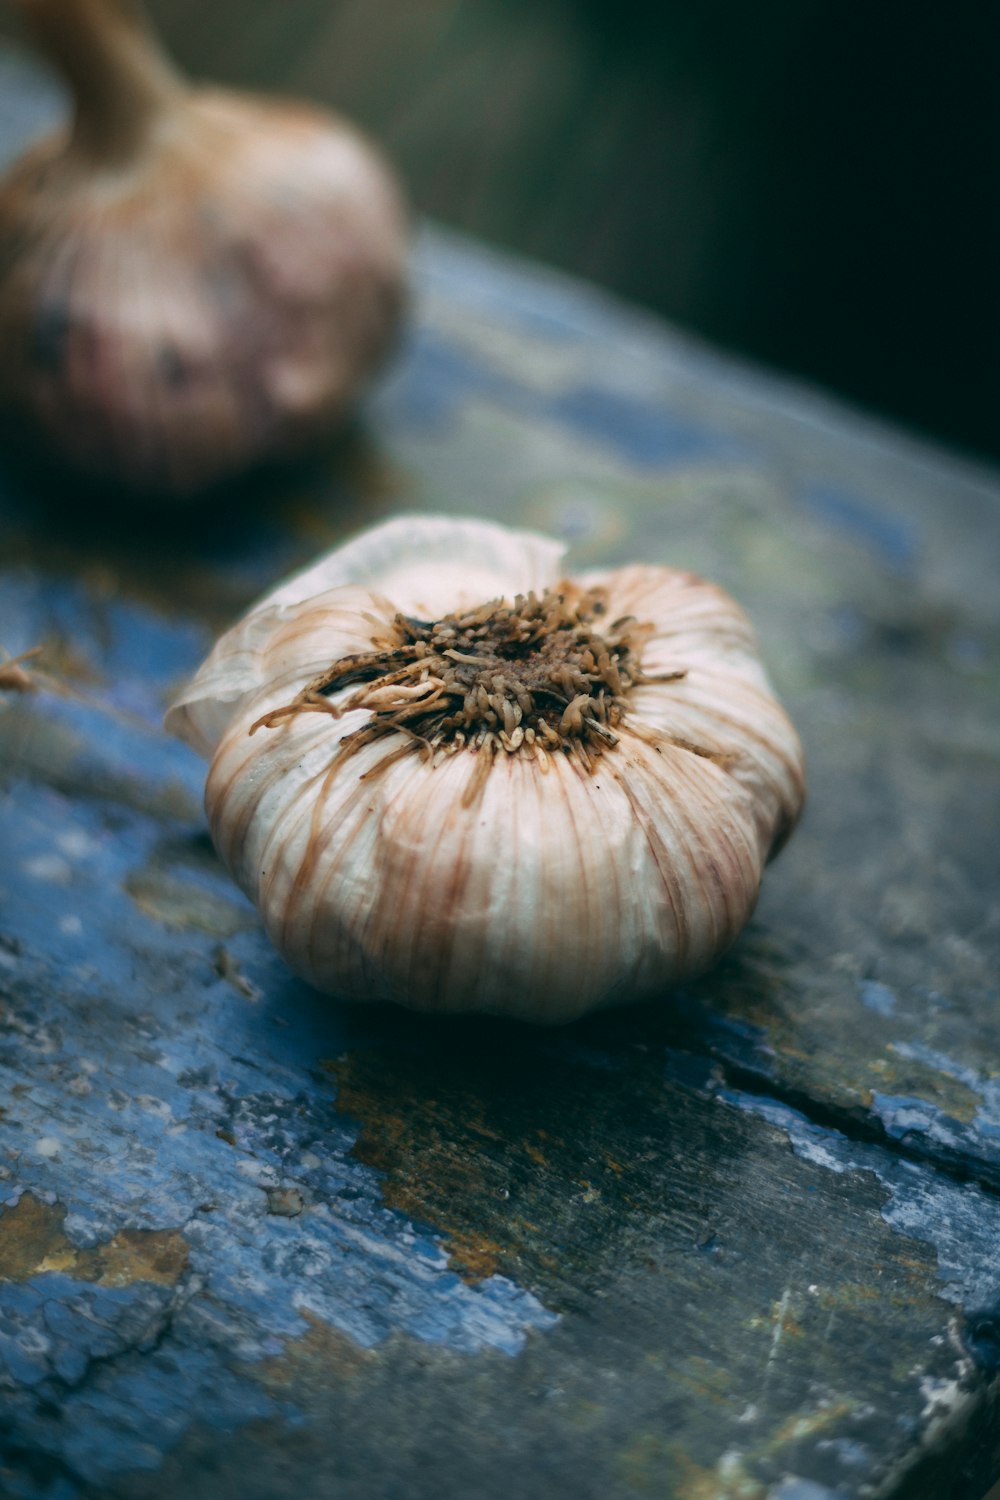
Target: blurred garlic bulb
{"x": 191, "y": 281}
{"x": 451, "y": 777}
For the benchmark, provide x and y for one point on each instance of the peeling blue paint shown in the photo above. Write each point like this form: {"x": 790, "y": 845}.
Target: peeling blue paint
{"x": 791, "y": 1488}
{"x": 649, "y": 434}
{"x": 981, "y": 1137}
{"x": 129, "y": 1037}
{"x": 133, "y": 653}
{"x": 741, "y": 1041}
{"x": 906, "y": 1115}
{"x": 931, "y": 1057}
{"x": 892, "y": 540}
{"x": 959, "y": 1220}
{"x": 89, "y": 1345}
{"x": 848, "y": 1452}
{"x": 877, "y": 997}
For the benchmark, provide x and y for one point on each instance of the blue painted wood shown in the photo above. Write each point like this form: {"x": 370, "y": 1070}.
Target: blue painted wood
{"x": 740, "y": 1245}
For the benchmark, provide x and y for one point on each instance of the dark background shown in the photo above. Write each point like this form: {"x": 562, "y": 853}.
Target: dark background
{"x": 813, "y": 183}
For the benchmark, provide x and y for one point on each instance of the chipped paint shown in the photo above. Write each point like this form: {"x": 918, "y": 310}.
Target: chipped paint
{"x": 877, "y": 997}
{"x": 32, "y": 1241}
{"x": 793, "y": 1488}
{"x": 893, "y": 539}
{"x": 158, "y": 1229}
{"x": 985, "y": 1086}
{"x": 959, "y": 1220}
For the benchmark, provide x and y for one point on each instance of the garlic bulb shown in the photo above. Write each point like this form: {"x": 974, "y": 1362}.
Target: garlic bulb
{"x": 451, "y": 777}
{"x": 191, "y": 281}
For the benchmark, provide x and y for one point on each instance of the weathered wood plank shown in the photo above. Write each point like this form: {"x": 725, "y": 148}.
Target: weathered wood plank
{"x": 256, "y": 1241}
{"x": 481, "y": 1253}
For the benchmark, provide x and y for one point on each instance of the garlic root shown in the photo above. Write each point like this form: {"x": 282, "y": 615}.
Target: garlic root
{"x": 192, "y": 281}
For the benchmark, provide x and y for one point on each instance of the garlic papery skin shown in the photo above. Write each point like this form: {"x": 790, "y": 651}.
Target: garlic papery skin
{"x": 451, "y": 777}
{"x": 192, "y": 282}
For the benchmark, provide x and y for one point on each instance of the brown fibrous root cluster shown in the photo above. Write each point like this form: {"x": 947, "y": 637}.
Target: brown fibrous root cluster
{"x": 533, "y": 678}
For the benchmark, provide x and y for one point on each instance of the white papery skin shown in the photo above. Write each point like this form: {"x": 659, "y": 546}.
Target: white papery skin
{"x": 554, "y": 892}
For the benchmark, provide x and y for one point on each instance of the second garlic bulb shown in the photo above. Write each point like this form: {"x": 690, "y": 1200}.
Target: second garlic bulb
{"x": 191, "y": 281}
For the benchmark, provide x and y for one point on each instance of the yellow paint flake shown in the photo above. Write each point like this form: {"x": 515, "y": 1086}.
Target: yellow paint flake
{"x": 32, "y": 1241}
{"x": 324, "y": 1355}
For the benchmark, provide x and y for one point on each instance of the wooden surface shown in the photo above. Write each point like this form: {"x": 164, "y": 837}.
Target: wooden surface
{"x": 742, "y": 1245}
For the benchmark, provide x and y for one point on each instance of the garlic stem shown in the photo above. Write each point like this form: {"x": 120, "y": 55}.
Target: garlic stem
{"x": 121, "y": 81}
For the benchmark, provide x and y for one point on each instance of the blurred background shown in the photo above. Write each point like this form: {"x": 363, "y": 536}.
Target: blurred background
{"x": 811, "y": 184}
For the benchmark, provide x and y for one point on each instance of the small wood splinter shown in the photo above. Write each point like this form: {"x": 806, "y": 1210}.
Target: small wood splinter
{"x": 13, "y": 677}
